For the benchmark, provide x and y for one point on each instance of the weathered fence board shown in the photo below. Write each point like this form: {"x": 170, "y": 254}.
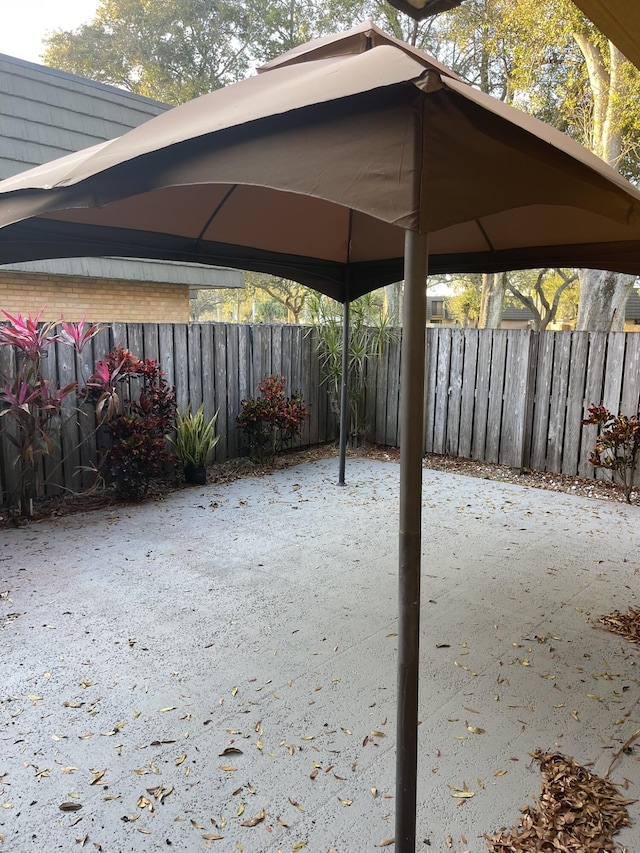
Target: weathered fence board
{"x": 427, "y": 432}
{"x": 166, "y": 352}
{"x": 194, "y": 350}
{"x": 483, "y": 375}
{"x": 393, "y": 394}
{"x": 630, "y": 401}
{"x": 381, "y": 397}
{"x": 592, "y": 394}
{"x": 455, "y": 392}
{"x": 575, "y": 393}
{"x": 514, "y": 407}
{"x": 431, "y": 375}
{"x": 304, "y": 383}
{"x": 220, "y": 371}
{"x": 181, "y": 366}
{"x": 514, "y": 397}
{"x": 496, "y": 394}
{"x": 442, "y": 391}
{"x": 558, "y": 402}
{"x": 151, "y": 346}
{"x": 467, "y": 392}
{"x": 209, "y": 391}
{"x": 542, "y": 402}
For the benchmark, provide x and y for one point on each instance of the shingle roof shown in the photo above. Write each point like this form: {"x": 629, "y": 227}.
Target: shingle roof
{"x": 632, "y": 310}
{"x": 45, "y": 114}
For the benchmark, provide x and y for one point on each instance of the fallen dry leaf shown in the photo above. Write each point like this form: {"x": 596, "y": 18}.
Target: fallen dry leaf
{"x": 625, "y": 624}
{"x": 254, "y": 821}
{"x": 576, "y": 811}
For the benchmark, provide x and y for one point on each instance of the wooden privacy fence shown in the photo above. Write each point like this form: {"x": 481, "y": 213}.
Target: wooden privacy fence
{"x": 514, "y": 397}
{"x": 211, "y": 363}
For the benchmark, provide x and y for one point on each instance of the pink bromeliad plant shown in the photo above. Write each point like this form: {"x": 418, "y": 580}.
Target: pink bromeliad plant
{"x": 27, "y": 399}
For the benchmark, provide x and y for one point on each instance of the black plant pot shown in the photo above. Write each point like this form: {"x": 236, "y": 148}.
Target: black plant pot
{"x": 195, "y": 476}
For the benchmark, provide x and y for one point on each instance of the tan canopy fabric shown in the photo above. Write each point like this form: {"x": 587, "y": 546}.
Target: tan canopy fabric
{"x": 314, "y": 169}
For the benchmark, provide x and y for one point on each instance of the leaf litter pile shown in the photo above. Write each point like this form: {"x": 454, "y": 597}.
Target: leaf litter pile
{"x": 625, "y": 624}
{"x": 576, "y": 812}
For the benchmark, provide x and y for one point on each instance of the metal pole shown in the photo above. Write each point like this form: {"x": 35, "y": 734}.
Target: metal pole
{"x": 411, "y": 451}
{"x": 344, "y": 387}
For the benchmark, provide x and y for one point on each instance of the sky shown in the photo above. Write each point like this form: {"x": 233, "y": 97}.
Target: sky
{"x": 24, "y": 23}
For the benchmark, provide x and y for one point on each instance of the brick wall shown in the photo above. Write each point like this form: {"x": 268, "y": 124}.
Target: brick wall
{"x": 100, "y": 300}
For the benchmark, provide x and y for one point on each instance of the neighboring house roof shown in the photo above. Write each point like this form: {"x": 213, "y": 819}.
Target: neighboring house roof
{"x": 516, "y": 312}
{"x": 632, "y": 310}
{"x": 519, "y": 312}
{"x": 45, "y": 114}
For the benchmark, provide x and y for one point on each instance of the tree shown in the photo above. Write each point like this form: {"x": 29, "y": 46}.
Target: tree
{"x": 605, "y": 294}
{"x": 494, "y": 287}
{"x": 170, "y": 50}
{"x": 465, "y": 302}
{"x": 568, "y": 74}
{"x": 289, "y": 294}
{"x": 541, "y": 291}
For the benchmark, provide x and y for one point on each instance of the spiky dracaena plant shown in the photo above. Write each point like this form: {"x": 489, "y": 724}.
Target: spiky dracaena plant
{"x": 369, "y": 335}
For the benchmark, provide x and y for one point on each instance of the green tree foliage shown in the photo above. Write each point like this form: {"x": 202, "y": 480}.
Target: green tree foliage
{"x": 170, "y": 50}
{"x": 289, "y": 295}
{"x": 264, "y": 299}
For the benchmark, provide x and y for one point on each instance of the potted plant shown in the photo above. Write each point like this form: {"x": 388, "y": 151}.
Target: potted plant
{"x": 195, "y": 439}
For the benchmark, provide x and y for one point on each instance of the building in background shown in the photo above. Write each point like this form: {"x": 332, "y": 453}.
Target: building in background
{"x": 45, "y": 114}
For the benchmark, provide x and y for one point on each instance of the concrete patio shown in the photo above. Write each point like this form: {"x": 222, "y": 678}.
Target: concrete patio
{"x": 217, "y": 669}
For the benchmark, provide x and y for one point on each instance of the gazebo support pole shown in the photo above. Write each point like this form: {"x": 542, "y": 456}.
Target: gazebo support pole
{"x": 411, "y": 452}
{"x": 344, "y": 387}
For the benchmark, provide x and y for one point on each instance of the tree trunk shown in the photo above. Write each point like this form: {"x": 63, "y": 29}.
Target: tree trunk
{"x": 603, "y": 299}
{"x": 494, "y": 286}
{"x": 603, "y": 295}
{"x": 393, "y": 295}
